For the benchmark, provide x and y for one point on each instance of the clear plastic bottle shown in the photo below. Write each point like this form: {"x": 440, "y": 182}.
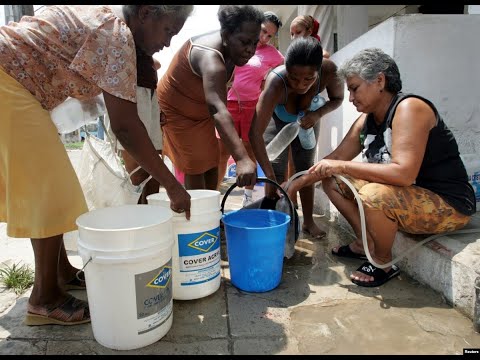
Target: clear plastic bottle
{"x": 72, "y": 114}
{"x": 306, "y": 136}
{"x": 283, "y": 138}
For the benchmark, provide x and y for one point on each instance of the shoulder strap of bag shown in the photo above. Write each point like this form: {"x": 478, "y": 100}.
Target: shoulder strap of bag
{"x": 110, "y": 141}
{"x": 114, "y": 147}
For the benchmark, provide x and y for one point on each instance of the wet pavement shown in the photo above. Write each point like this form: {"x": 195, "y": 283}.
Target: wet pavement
{"x": 316, "y": 309}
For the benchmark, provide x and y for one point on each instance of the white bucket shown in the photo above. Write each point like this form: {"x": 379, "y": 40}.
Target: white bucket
{"x": 127, "y": 252}
{"x": 196, "y": 248}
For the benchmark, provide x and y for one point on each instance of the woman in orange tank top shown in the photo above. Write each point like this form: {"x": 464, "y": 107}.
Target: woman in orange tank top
{"x": 193, "y": 96}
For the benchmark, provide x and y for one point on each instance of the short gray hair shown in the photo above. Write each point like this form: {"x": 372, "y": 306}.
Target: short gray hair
{"x": 368, "y": 64}
{"x": 179, "y": 11}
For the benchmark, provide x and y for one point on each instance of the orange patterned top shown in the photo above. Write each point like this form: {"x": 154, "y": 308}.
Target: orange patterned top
{"x": 70, "y": 50}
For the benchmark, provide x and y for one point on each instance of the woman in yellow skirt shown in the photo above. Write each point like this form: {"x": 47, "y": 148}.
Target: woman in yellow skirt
{"x": 79, "y": 52}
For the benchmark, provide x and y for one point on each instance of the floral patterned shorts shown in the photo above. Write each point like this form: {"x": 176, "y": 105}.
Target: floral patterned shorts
{"x": 415, "y": 209}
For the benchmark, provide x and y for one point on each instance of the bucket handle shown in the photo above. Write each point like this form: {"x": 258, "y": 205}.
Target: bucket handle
{"x": 77, "y": 274}
{"x": 263, "y": 179}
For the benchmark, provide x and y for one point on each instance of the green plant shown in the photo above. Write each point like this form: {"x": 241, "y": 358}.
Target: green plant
{"x": 74, "y": 146}
{"x": 17, "y": 277}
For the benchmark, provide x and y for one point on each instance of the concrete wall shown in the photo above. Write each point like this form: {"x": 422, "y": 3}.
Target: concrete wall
{"x": 442, "y": 68}
{"x": 473, "y": 9}
{"x": 352, "y": 21}
{"x": 2, "y": 15}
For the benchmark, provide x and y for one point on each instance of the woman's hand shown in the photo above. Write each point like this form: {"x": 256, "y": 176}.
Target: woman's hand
{"x": 327, "y": 167}
{"x": 246, "y": 172}
{"x": 309, "y": 120}
{"x": 271, "y": 191}
{"x": 179, "y": 199}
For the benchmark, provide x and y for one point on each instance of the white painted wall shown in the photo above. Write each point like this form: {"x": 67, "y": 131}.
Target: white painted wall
{"x": 443, "y": 69}
{"x": 474, "y": 9}
{"x": 2, "y": 15}
{"x": 352, "y": 21}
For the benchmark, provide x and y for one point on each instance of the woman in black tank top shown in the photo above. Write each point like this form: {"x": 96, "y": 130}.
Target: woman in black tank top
{"x": 411, "y": 177}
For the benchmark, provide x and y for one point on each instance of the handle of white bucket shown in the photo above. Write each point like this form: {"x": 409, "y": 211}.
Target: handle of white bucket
{"x": 259, "y": 180}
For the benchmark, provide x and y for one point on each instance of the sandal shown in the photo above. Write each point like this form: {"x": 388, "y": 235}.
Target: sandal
{"x": 72, "y": 312}
{"x": 76, "y": 283}
{"x": 380, "y": 277}
{"x": 345, "y": 251}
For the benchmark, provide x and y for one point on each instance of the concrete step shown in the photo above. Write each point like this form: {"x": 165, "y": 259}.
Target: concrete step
{"x": 449, "y": 264}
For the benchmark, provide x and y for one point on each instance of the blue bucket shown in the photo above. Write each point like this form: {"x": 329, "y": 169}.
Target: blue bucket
{"x": 255, "y": 246}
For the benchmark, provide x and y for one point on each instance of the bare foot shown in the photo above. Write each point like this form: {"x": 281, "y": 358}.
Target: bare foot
{"x": 369, "y": 275}
{"x": 355, "y": 247}
{"x": 313, "y": 230}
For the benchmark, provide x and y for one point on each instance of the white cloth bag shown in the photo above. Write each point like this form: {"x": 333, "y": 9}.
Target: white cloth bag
{"x": 104, "y": 179}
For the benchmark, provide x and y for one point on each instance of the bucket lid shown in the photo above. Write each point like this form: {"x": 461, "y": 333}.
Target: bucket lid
{"x": 123, "y": 218}
{"x": 202, "y": 201}
{"x": 125, "y": 227}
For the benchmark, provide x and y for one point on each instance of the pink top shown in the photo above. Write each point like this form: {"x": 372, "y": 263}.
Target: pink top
{"x": 70, "y": 50}
{"x": 248, "y": 78}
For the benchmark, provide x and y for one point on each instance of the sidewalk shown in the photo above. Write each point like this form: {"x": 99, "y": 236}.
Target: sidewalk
{"x": 315, "y": 310}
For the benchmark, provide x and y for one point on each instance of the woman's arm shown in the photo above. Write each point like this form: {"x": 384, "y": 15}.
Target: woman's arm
{"x": 130, "y": 131}
{"x": 214, "y": 77}
{"x": 269, "y": 98}
{"x": 335, "y": 91}
{"x": 411, "y": 126}
{"x": 347, "y": 150}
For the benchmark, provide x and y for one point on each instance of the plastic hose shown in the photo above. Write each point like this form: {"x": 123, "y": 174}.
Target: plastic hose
{"x": 364, "y": 229}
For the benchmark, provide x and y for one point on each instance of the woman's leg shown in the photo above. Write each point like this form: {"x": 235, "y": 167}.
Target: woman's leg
{"x": 412, "y": 209}
{"x": 303, "y": 159}
{"x": 382, "y": 230}
{"x": 222, "y": 163}
{"x": 66, "y": 271}
{"x": 207, "y": 180}
{"x": 290, "y": 172}
{"x": 248, "y": 192}
{"x": 346, "y": 205}
{"x": 309, "y": 226}
{"x": 49, "y": 271}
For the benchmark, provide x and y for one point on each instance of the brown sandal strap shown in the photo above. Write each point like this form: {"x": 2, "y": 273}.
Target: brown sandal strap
{"x": 71, "y": 310}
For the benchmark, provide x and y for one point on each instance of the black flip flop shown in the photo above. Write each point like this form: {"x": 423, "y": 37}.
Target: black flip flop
{"x": 345, "y": 251}
{"x": 380, "y": 277}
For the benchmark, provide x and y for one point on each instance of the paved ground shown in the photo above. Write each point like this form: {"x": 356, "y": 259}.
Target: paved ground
{"x": 314, "y": 310}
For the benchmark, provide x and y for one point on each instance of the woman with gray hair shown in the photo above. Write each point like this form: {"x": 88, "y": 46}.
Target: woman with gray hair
{"x": 411, "y": 177}
{"x": 80, "y": 52}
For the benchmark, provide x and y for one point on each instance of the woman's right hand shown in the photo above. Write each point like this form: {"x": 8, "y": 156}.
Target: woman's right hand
{"x": 246, "y": 172}
{"x": 271, "y": 191}
{"x": 179, "y": 200}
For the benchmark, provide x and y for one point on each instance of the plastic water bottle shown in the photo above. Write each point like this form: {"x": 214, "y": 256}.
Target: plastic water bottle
{"x": 72, "y": 114}
{"x": 284, "y": 138}
{"x": 306, "y": 136}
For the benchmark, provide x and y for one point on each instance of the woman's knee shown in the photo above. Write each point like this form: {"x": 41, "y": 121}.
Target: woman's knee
{"x": 376, "y": 196}
{"x": 329, "y": 185}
